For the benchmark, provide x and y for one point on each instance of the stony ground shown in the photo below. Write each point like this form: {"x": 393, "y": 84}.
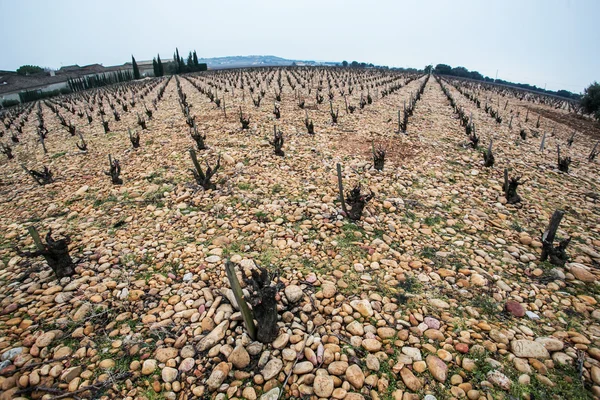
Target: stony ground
{"x": 437, "y": 293}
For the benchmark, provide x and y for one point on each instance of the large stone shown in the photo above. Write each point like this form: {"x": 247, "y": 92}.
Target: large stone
{"x": 215, "y": 336}
{"x": 272, "y": 368}
{"x": 187, "y": 364}
{"x": 164, "y": 354}
{"x": 363, "y": 307}
{"x": 437, "y": 367}
{"x": 323, "y": 386}
{"x": 550, "y": 343}
{"x": 281, "y": 341}
{"x": 71, "y": 373}
{"x": 45, "y": 339}
{"x": 337, "y": 368}
{"x": 217, "y": 376}
{"x": 328, "y": 290}
{"x": 528, "y": 349}
{"x": 303, "y": 367}
{"x": 293, "y": 293}
{"x": 412, "y": 352}
{"x": 249, "y": 393}
{"x": 355, "y": 376}
{"x": 580, "y": 272}
{"x": 149, "y": 366}
{"x": 438, "y": 303}
{"x": 499, "y": 379}
{"x": 373, "y": 362}
{"x": 82, "y": 190}
{"x": 62, "y": 351}
{"x": 410, "y": 380}
{"x": 169, "y": 374}
{"x": 212, "y": 259}
{"x": 12, "y": 353}
{"x": 272, "y": 394}
{"x": 432, "y": 323}
{"x": 595, "y": 374}
{"x": 386, "y": 332}
{"x": 514, "y": 308}
{"x": 107, "y": 363}
{"x": 355, "y": 328}
{"x": 371, "y": 345}
{"x": 239, "y": 357}
{"x": 498, "y": 336}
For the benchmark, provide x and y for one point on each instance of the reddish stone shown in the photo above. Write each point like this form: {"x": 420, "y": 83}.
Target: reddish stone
{"x": 413, "y": 321}
{"x": 8, "y": 370}
{"x": 9, "y": 308}
{"x": 462, "y": 347}
{"x": 514, "y": 308}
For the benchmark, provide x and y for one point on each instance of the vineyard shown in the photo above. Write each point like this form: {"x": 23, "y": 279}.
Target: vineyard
{"x": 299, "y": 233}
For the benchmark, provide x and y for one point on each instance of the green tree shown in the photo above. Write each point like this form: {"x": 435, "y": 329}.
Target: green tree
{"x": 155, "y": 67}
{"x": 136, "y": 70}
{"x": 443, "y": 69}
{"x": 475, "y": 75}
{"x": 190, "y": 63}
{"x": 428, "y": 68}
{"x": 195, "y": 59}
{"x": 344, "y": 63}
{"x": 460, "y": 71}
{"x": 177, "y": 61}
{"x": 29, "y": 69}
{"x": 161, "y": 69}
{"x": 590, "y": 102}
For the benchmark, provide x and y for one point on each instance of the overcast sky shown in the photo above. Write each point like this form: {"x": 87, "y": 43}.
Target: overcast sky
{"x": 553, "y": 42}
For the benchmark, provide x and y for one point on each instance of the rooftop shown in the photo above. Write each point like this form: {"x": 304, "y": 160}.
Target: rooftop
{"x": 11, "y": 82}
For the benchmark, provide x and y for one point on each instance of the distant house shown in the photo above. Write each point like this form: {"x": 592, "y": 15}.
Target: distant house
{"x": 146, "y": 67}
{"x": 11, "y": 83}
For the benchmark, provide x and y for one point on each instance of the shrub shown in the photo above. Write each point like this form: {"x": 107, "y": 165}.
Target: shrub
{"x": 9, "y": 103}
{"x": 590, "y": 102}
{"x": 29, "y": 69}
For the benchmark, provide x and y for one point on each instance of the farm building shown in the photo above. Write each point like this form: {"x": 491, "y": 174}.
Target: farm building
{"x": 13, "y": 86}
{"x": 146, "y": 67}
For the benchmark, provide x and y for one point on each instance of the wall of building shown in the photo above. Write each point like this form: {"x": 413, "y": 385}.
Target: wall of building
{"x": 9, "y": 96}
{"x": 145, "y": 71}
{"x": 54, "y": 86}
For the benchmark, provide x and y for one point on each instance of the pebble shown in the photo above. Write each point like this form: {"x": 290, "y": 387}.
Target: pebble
{"x": 272, "y": 368}
{"x": 239, "y": 357}
{"x": 323, "y": 386}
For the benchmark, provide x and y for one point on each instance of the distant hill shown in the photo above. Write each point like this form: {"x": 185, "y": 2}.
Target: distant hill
{"x": 256, "y": 61}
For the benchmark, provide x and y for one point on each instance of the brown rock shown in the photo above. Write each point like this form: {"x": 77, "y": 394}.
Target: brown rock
{"x": 239, "y": 357}
{"x": 355, "y": 376}
{"x": 410, "y": 380}
{"x": 437, "y": 367}
{"x": 323, "y": 386}
{"x": 514, "y": 308}
{"x": 217, "y": 376}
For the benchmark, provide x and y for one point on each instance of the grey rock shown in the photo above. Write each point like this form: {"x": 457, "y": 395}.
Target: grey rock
{"x": 11, "y": 354}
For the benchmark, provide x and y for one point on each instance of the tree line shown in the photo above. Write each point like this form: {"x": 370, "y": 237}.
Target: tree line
{"x": 178, "y": 65}
{"x": 462, "y": 72}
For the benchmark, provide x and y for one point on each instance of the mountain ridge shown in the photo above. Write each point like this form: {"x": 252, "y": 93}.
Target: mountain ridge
{"x": 258, "y": 61}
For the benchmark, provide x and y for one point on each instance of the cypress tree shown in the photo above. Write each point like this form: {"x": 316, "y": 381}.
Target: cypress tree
{"x": 136, "y": 70}
{"x": 154, "y": 67}
{"x": 178, "y": 60}
{"x": 161, "y": 71}
{"x": 195, "y": 60}
{"x": 190, "y": 63}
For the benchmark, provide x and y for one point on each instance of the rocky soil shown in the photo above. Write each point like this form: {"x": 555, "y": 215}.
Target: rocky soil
{"x": 438, "y": 292}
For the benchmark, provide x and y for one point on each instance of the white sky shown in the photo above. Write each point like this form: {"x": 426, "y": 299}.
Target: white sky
{"x": 553, "y": 42}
